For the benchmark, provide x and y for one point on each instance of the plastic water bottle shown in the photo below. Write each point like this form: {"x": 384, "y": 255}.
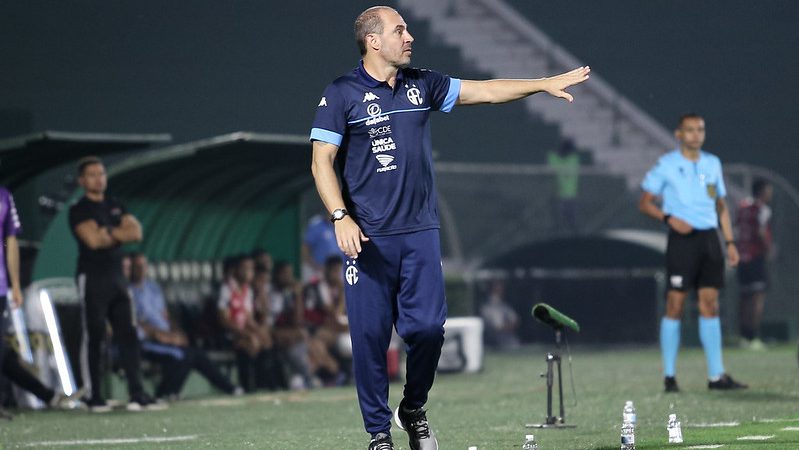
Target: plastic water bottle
{"x": 628, "y": 426}
{"x": 675, "y": 432}
{"x": 529, "y": 443}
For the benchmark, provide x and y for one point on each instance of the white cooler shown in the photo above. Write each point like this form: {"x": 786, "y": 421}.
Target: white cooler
{"x": 463, "y": 345}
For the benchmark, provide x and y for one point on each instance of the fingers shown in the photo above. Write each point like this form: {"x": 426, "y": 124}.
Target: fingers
{"x": 566, "y": 95}
{"x": 350, "y": 242}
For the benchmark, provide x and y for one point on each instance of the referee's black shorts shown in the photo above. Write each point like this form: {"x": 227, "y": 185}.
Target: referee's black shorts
{"x": 694, "y": 260}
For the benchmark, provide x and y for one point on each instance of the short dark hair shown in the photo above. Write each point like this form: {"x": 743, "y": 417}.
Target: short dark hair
{"x": 332, "y": 261}
{"x": 759, "y": 186}
{"x": 688, "y": 115}
{"x": 368, "y": 22}
{"x": 87, "y": 161}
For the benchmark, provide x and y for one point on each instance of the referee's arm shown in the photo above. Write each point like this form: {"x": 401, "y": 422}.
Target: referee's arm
{"x": 726, "y": 230}
{"x": 647, "y": 205}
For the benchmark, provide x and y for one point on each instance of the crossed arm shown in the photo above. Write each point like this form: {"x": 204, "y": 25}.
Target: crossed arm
{"x": 96, "y": 237}
{"x": 348, "y": 235}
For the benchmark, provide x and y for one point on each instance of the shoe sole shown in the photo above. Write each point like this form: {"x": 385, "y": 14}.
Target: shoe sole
{"x": 401, "y": 427}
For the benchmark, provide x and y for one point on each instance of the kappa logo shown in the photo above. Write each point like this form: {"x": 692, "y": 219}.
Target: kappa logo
{"x": 414, "y": 96}
{"x": 676, "y": 281}
{"x": 322, "y": 102}
{"x": 369, "y": 97}
{"x": 351, "y": 274}
{"x": 373, "y": 109}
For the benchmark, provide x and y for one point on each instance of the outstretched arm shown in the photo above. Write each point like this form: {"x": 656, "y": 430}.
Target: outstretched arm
{"x": 503, "y": 91}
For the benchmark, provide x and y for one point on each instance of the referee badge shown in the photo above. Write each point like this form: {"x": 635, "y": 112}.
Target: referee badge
{"x": 711, "y": 190}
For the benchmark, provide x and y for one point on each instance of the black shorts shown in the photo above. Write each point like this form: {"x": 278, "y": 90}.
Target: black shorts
{"x": 753, "y": 276}
{"x": 694, "y": 260}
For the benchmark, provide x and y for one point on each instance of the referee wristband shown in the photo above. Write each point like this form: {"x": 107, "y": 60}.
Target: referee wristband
{"x": 729, "y": 242}
{"x": 666, "y": 218}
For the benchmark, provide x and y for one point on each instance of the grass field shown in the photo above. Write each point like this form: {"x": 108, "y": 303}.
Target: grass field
{"x": 487, "y": 410}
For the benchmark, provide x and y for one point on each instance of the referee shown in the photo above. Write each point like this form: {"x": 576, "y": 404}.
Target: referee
{"x": 100, "y": 225}
{"x": 691, "y": 184}
{"x": 374, "y": 123}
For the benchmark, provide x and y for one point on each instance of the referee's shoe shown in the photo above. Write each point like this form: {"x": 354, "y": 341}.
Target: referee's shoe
{"x": 725, "y": 383}
{"x": 414, "y": 422}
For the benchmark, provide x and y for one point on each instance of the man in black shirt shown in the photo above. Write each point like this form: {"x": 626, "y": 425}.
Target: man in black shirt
{"x": 101, "y": 225}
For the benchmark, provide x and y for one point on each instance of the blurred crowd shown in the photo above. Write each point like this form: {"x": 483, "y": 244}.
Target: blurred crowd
{"x": 282, "y": 333}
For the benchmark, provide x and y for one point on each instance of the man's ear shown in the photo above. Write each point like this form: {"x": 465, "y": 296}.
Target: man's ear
{"x": 373, "y": 41}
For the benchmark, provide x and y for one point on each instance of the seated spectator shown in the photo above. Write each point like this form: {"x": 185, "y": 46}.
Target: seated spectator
{"x": 262, "y": 287}
{"x": 501, "y": 320}
{"x": 251, "y": 342}
{"x": 318, "y": 244}
{"x": 163, "y": 343}
{"x": 326, "y": 316}
{"x": 264, "y": 259}
{"x": 287, "y": 316}
{"x": 14, "y": 371}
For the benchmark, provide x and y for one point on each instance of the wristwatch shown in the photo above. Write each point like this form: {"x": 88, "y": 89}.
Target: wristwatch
{"x": 338, "y": 214}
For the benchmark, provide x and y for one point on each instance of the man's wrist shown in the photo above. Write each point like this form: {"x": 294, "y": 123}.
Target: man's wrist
{"x": 729, "y": 242}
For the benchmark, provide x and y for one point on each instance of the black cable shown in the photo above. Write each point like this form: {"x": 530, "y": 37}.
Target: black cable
{"x": 571, "y": 371}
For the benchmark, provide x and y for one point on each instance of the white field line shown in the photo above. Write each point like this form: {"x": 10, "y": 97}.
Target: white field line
{"x": 755, "y": 438}
{"x": 706, "y": 446}
{"x": 713, "y": 425}
{"x": 790, "y": 429}
{"x": 112, "y": 441}
{"x": 777, "y": 420}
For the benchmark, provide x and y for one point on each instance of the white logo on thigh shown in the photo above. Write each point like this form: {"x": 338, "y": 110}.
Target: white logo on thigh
{"x": 676, "y": 281}
{"x": 351, "y": 274}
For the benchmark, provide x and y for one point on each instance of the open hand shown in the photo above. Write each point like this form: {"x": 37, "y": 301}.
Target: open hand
{"x": 556, "y": 85}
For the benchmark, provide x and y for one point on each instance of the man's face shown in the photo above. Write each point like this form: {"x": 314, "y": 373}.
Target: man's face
{"x": 246, "y": 271}
{"x": 138, "y": 269}
{"x": 395, "y": 41}
{"x": 768, "y": 194}
{"x": 93, "y": 179}
{"x": 691, "y": 133}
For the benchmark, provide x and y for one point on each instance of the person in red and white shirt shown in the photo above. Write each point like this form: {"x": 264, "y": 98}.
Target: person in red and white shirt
{"x": 755, "y": 245}
{"x": 251, "y": 341}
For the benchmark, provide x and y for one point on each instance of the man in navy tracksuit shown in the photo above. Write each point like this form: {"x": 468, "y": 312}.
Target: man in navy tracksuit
{"x": 374, "y": 123}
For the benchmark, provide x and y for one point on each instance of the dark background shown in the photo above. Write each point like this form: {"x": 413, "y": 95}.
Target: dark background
{"x": 200, "y": 68}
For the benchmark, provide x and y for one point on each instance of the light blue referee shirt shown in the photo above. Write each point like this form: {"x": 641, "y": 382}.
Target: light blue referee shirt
{"x": 689, "y": 188}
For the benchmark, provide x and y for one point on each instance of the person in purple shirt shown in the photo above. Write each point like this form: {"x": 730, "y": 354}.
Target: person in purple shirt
{"x": 9, "y": 263}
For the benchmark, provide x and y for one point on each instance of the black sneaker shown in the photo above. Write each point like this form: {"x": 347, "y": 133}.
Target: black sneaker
{"x": 381, "y": 441}
{"x": 143, "y": 402}
{"x": 726, "y": 383}
{"x": 414, "y": 422}
{"x": 671, "y": 384}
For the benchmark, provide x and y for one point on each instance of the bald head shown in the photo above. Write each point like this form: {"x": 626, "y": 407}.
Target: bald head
{"x": 369, "y": 22}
